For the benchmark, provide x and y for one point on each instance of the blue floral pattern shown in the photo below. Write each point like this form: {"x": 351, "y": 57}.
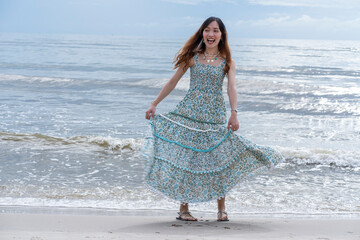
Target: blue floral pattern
{"x": 191, "y": 155}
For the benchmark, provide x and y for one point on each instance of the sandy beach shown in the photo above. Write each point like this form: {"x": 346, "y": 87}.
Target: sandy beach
{"x": 41, "y": 226}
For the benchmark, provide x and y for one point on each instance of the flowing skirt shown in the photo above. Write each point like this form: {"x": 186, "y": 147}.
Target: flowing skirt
{"x": 192, "y": 161}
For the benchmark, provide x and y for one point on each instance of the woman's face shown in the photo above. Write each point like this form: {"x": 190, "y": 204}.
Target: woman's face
{"x": 212, "y": 35}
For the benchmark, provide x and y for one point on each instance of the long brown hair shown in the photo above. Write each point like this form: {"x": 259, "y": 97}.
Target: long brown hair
{"x": 196, "y": 44}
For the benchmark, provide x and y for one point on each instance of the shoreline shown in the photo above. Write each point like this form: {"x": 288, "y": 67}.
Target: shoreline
{"x": 161, "y": 224}
{"x": 54, "y": 226}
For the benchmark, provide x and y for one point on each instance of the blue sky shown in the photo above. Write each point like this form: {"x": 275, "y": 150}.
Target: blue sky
{"x": 308, "y": 19}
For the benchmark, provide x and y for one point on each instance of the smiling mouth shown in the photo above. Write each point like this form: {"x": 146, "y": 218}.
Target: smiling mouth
{"x": 210, "y": 41}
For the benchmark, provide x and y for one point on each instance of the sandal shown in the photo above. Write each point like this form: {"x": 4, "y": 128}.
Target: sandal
{"x": 222, "y": 216}
{"x": 180, "y": 217}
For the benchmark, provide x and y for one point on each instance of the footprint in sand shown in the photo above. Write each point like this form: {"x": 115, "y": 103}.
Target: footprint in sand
{"x": 176, "y": 225}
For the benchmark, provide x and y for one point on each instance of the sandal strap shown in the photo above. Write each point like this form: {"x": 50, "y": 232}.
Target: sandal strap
{"x": 220, "y": 213}
{"x": 185, "y": 212}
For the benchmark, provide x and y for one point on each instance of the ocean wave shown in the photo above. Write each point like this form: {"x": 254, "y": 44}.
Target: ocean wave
{"x": 158, "y": 83}
{"x": 104, "y": 142}
{"x": 75, "y": 67}
{"x": 296, "y": 71}
{"x": 324, "y": 157}
{"x": 296, "y": 156}
{"x": 18, "y": 77}
{"x": 293, "y": 89}
{"x": 299, "y": 98}
{"x": 84, "y": 83}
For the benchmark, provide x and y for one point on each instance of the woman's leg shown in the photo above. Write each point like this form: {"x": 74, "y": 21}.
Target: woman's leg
{"x": 222, "y": 215}
{"x": 221, "y": 204}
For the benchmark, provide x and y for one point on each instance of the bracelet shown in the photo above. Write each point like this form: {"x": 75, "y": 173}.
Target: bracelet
{"x": 234, "y": 110}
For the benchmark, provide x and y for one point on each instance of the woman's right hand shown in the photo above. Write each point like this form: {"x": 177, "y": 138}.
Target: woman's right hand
{"x": 150, "y": 112}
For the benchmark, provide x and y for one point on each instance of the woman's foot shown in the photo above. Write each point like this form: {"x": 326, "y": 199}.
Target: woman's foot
{"x": 186, "y": 216}
{"x": 222, "y": 216}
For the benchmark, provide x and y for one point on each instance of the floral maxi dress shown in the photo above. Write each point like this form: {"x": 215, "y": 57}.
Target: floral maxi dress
{"x": 191, "y": 155}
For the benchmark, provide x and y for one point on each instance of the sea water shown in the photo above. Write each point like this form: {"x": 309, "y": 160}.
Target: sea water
{"x": 72, "y": 122}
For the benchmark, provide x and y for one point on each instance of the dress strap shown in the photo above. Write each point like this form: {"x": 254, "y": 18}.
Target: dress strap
{"x": 196, "y": 57}
{"x": 223, "y": 62}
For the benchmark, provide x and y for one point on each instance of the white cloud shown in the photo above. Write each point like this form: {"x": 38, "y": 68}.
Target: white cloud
{"x": 91, "y": 2}
{"x": 196, "y": 2}
{"x": 271, "y": 21}
{"x": 309, "y": 3}
{"x": 188, "y": 2}
{"x": 303, "y": 22}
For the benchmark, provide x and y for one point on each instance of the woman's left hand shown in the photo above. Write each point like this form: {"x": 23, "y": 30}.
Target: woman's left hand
{"x": 233, "y": 122}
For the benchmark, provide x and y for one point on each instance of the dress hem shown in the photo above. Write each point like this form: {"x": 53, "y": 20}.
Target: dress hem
{"x": 248, "y": 177}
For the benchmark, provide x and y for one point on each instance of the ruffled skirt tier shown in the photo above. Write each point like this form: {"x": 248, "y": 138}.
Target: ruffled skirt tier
{"x": 192, "y": 161}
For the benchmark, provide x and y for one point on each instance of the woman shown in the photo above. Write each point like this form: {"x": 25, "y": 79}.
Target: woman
{"x": 194, "y": 156}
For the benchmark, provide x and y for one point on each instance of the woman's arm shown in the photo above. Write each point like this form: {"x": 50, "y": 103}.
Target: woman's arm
{"x": 233, "y": 122}
{"x": 166, "y": 90}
